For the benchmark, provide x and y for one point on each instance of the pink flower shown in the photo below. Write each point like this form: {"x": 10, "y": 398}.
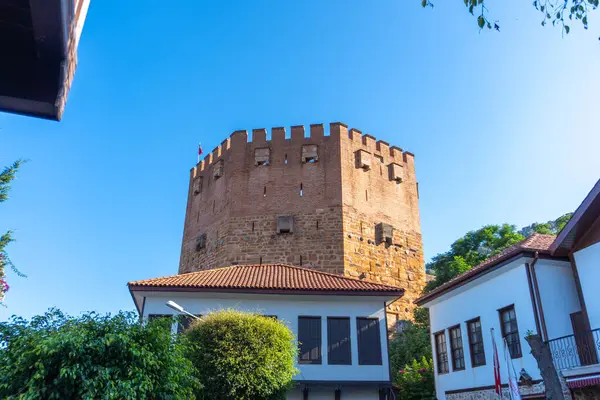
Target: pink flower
{"x": 423, "y": 370}
{"x": 401, "y": 371}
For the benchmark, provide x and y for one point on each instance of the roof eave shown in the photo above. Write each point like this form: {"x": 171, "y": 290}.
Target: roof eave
{"x": 592, "y": 198}
{"x": 381, "y": 293}
{"x": 421, "y": 301}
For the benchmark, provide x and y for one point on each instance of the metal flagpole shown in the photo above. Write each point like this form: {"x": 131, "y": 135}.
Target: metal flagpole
{"x": 497, "y": 382}
{"x": 513, "y": 385}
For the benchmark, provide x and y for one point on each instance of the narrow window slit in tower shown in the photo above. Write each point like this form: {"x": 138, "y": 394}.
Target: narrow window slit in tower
{"x": 285, "y": 159}
{"x": 317, "y": 225}
{"x": 366, "y": 195}
{"x": 300, "y": 189}
{"x": 265, "y": 191}
{"x": 253, "y": 227}
{"x": 300, "y": 260}
{"x": 260, "y": 261}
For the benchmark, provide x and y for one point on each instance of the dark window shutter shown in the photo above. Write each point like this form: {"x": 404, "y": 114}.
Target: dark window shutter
{"x": 369, "y": 343}
{"x": 338, "y": 341}
{"x": 309, "y": 336}
{"x": 152, "y": 317}
{"x": 184, "y": 322}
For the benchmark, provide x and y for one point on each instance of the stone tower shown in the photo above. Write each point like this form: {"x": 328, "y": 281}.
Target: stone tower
{"x": 343, "y": 203}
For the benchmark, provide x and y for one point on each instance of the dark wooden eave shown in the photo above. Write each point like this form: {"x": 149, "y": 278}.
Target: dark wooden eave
{"x": 33, "y": 50}
{"x": 582, "y": 220}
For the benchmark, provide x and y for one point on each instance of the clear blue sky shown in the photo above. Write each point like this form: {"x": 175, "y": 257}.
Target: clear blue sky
{"x": 505, "y": 126}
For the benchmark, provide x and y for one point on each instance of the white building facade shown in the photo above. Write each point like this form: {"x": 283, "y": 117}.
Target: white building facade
{"x": 544, "y": 285}
{"x": 346, "y": 355}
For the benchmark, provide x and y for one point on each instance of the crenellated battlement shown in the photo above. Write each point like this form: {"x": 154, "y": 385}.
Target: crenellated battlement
{"x": 237, "y": 145}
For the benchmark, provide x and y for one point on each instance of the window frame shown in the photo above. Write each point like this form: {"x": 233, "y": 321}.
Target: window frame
{"x": 319, "y": 347}
{"x": 437, "y": 352}
{"x": 501, "y": 311}
{"x": 152, "y": 317}
{"x": 349, "y": 361}
{"x": 358, "y": 335}
{"x": 184, "y": 322}
{"x": 471, "y": 343}
{"x": 460, "y": 349}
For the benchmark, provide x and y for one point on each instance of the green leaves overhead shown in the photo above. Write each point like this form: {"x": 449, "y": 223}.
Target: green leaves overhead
{"x": 481, "y": 21}
{"x": 554, "y": 11}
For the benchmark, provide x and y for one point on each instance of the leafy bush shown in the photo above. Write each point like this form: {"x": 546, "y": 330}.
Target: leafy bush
{"x": 54, "y": 356}
{"x": 415, "y": 381}
{"x": 242, "y": 356}
{"x": 413, "y": 342}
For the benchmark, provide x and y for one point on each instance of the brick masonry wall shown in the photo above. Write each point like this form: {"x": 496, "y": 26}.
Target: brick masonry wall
{"x": 340, "y": 204}
{"x": 239, "y": 211}
{"x": 490, "y": 394}
{"x": 371, "y": 197}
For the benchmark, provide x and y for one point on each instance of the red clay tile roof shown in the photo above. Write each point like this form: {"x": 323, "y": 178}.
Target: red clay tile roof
{"x": 266, "y": 278}
{"x": 534, "y": 242}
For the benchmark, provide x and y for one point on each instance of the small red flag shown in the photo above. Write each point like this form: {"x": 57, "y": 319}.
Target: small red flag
{"x": 199, "y": 149}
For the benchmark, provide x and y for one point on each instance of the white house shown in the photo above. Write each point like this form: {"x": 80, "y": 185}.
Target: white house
{"x": 339, "y": 321}
{"x": 545, "y": 284}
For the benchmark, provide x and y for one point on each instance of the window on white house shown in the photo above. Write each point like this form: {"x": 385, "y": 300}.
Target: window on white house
{"x": 456, "y": 347}
{"x": 369, "y": 343}
{"x": 309, "y": 336}
{"x": 510, "y": 330}
{"x": 476, "y": 342}
{"x": 153, "y": 317}
{"x": 441, "y": 352}
{"x": 184, "y": 322}
{"x": 338, "y": 341}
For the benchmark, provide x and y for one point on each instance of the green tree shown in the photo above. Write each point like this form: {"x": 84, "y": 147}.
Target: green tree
{"x": 243, "y": 356}
{"x": 55, "y": 356}
{"x": 6, "y": 177}
{"x": 471, "y": 250}
{"x": 557, "y": 12}
{"x": 413, "y": 342}
{"x": 415, "y": 381}
{"x": 477, "y": 246}
{"x": 550, "y": 228}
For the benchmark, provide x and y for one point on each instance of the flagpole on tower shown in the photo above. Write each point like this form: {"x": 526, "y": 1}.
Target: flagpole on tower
{"x": 199, "y": 152}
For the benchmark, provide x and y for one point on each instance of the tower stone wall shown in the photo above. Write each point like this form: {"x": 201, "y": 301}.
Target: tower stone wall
{"x": 353, "y": 201}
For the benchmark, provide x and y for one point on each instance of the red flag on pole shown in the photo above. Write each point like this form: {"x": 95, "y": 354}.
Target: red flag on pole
{"x": 497, "y": 383}
{"x": 199, "y": 151}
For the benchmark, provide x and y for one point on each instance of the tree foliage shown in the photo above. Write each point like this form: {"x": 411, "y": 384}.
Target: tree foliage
{"x": 556, "y": 12}
{"x": 477, "y": 246}
{"x": 412, "y": 343}
{"x": 6, "y": 177}
{"x": 242, "y": 356}
{"x": 55, "y": 356}
{"x": 415, "y": 381}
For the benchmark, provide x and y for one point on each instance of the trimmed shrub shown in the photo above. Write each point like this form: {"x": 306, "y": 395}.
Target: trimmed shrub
{"x": 242, "y": 356}
{"x": 54, "y": 356}
{"x": 415, "y": 381}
